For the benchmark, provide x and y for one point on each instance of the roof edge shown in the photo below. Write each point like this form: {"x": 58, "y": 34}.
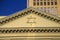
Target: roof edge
{"x": 26, "y": 11}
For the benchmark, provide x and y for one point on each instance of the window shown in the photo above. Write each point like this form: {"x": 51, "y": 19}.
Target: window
{"x": 37, "y": 3}
{"x": 44, "y": 3}
{"x": 55, "y": 0}
{"x": 51, "y": 0}
{"x": 51, "y": 3}
{"x": 56, "y": 11}
{"x": 48, "y": 10}
{"x": 37, "y": 0}
{"x": 48, "y": 3}
{"x": 41, "y": 8}
{"x": 34, "y": 0}
{"x": 44, "y": 9}
{"x": 41, "y": 3}
{"x": 55, "y": 3}
{"x": 34, "y": 3}
{"x": 48, "y": 0}
{"x": 44, "y": 0}
{"x": 40, "y": 0}
{"x": 52, "y": 10}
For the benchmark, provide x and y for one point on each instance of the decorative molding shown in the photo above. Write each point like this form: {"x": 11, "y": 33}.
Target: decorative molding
{"x": 30, "y": 30}
{"x": 28, "y": 38}
{"x": 29, "y": 11}
{"x": 31, "y": 20}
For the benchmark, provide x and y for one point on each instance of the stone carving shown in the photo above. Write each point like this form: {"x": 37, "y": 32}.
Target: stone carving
{"x": 31, "y": 20}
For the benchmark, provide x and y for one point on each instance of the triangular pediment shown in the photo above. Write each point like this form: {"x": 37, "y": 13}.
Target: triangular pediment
{"x": 31, "y": 17}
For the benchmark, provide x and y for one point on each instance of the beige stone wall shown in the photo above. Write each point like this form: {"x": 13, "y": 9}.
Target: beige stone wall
{"x": 59, "y": 7}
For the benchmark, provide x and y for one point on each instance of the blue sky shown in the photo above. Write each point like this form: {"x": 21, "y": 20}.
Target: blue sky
{"x": 8, "y": 7}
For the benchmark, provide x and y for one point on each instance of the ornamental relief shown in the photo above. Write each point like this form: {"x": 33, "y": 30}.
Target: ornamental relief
{"x": 31, "y": 20}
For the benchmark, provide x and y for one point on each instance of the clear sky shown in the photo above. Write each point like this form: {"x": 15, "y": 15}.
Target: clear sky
{"x": 8, "y": 7}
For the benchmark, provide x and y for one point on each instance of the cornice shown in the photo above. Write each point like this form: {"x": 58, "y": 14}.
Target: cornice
{"x": 29, "y": 11}
{"x": 30, "y": 30}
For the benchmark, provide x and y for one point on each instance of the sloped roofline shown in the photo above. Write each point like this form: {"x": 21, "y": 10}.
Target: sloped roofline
{"x": 26, "y": 12}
